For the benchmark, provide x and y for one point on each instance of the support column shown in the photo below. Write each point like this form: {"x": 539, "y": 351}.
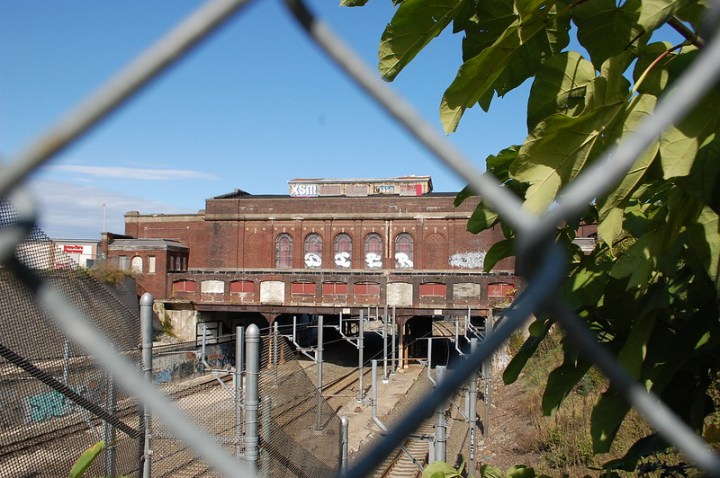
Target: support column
{"x": 146, "y": 303}
{"x": 252, "y": 361}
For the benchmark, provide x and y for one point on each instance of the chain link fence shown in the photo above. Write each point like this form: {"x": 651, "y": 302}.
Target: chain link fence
{"x": 57, "y": 401}
{"x": 533, "y": 231}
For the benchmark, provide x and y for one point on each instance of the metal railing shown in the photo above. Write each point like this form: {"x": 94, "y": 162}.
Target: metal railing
{"x": 533, "y": 231}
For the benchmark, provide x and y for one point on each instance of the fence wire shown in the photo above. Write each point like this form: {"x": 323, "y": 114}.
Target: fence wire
{"x": 56, "y": 400}
{"x": 533, "y": 231}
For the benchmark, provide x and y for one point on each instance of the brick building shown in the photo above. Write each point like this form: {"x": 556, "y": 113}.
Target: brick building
{"x": 328, "y": 247}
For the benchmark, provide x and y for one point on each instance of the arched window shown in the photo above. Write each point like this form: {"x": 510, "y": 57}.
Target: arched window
{"x": 283, "y": 251}
{"x": 313, "y": 251}
{"x": 343, "y": 251}
{"x": 373, "y": 251}
{"x": 136, "y": 265}
{"x": 404, "y": 251}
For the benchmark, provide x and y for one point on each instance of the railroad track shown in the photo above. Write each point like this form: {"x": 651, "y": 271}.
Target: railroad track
{"x": 399, "y": 464}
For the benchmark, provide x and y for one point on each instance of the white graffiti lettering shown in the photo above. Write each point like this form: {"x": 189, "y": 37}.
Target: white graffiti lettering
{"x": 373, "y": 260}
{"x": 342, "y": 259}
{"x": 467, "y": 260}
{"x": 312, "y": 260}
{"x": 303, "y": 190}
{"x": 402, "y": 261}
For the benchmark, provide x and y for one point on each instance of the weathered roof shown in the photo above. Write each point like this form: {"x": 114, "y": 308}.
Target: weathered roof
{"x": 145, "y": 244}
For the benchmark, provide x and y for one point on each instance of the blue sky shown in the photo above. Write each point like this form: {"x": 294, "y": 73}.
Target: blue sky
{"x": 254, "y": 106}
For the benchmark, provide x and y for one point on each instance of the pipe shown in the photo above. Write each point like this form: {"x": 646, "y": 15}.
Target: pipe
{"x": 146, "y": 304}
{"x": 373, "y": 397}
{"x": 361, "y": 332}
{"x": 319, "y": 361}
{"x": 276, "y": 336}
{"x": 344, "y": 444}
{"x": 441, "y": 425}
{"x": 252, "y": 361}
{"x": 385, "y": 344}
{"x": 472, "y": 413}
{"x": 238, "y": 386}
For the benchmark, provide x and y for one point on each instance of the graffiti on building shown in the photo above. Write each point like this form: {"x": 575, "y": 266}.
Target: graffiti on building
{"x": 45, "y": 406}
{"x": 403, "y": 261}
{"x": 303, "y": 190}
{"x": 467, "y": 260}
{"x": 342, "y": 260}
{"x": 312, "y": 260}
{"x": 373, "y": 260}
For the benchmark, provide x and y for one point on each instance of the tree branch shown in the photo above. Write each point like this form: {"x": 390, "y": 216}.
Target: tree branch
{"x": 686, "y": 32}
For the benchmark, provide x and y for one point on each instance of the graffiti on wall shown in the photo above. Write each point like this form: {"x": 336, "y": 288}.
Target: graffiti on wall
{"x": 312, "y": 260}
{"x": 342, "y": 260}
{"x": 403, "y": 261}
{"x": 467, "y": 260}
{"x": 373, "y": 260}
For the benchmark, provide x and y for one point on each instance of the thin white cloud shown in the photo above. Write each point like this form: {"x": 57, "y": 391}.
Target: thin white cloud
{"x": 136, "y": 173}
{"x": 73, "y": 211}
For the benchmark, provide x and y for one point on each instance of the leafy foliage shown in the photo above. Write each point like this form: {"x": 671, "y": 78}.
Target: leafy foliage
{"x": 649, "y": 289}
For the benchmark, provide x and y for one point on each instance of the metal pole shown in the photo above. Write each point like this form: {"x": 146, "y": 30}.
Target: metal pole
{"x": 267, "y": 408}
{"x": 146, "y": 304}
{"x": 319, "y": 361}
{"x": 238, "y": 379}
{"x": 252, "y": 361}
{"x": 393, "y": 366}
{"x": 66, "y": 362}
{"x": 441, "y": 425}
{"x": 344, "y": 444}
{"x": 109, "y": 434}
{"x": 472, "y": 412}
{"x": 361, "y": 332}
{"x": 429, "y": 357}
{"x": 204, "y": 334}
{"x": 487, "y": 376}
{"x": 276, "y": 335}
{"x": 385, "y": 344}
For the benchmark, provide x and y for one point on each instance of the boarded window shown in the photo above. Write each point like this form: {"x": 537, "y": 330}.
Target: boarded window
{"x": 306, "y": 288}
{"x": 212, "y": 287}
{"x": 136, "y": 265}
{"x": 433, "y": 289}
{"x": 367, "y": 288}
{"x": 501, "y": 289}
{"x": 283, "y": 251}
{"x": 334, "y": 288}
{"x": 242, "y": 287}
{"x": 152, "y": 264}
{"x": 343, "y": 251}
{"x": 184, "y": 286}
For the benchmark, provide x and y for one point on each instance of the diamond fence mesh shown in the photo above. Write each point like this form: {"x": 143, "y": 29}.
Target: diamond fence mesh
{"x": 57, "y": 401}
{"x": 69, "y": 310}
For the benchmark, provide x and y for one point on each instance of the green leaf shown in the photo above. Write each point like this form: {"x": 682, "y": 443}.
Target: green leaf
{"x": 560, "y": 383}
{"x": 514, "y": 56}
{"x": 352, "y": 3}
{"x": 639, "y": 262}
{"x": 538, "y": 331}
{"x": 490, "y": 471}
{"x": 466, "y": 193}
{"x": 559, "y": 87}
{"x": 607, "y": 415}
{"x": 86, "y": 459}
{"x": 498, "y": 251}
{"x": 482, "y": 218}
{"x": 439, "y": 469}
{"x": 558, "y": 148}
{"x": 641, "y": 108}
{"x": 679, "y": 144}
{"x": 705, "y": 243}
{"x": 520, "y": 471}
{"x": 607, "y": 28}
{"x": 415, "y": 24}
{"x": 632, "y": 354}
{"x": 610, "y": 227}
